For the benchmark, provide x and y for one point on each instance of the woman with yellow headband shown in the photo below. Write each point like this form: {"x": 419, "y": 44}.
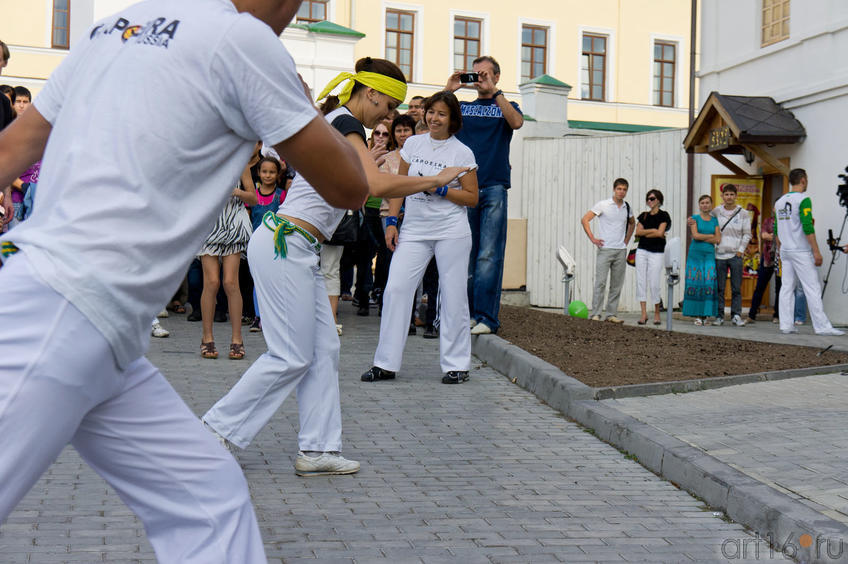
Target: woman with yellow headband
{"x": 298, "y": 325}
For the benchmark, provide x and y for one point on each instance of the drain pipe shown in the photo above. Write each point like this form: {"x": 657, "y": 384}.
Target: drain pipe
{"x": 690, "y": 157}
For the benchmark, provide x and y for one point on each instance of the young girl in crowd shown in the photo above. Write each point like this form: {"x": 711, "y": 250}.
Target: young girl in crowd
{"x": 700, "y": 300}
{"x": 227, "y": 241}
{"x": 269, "y": 196}
{"x": 435, "y": 223}
{"x": 651, "y": 227}
{"x": 303, "y": 344}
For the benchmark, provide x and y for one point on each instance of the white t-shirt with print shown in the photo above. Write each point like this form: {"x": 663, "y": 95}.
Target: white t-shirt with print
{"x": 430, "y": 216}
{"x": 613, "y": 222}
{"x": 154, "y": 114}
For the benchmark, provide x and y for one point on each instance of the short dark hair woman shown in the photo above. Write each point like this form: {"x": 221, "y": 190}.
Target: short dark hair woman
{"x": 435, "y": 223}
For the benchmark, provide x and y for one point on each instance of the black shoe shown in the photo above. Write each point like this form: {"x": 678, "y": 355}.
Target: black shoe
{"x": 362, "y": 311}
{"x": 455, "y": 377}
{"x": 355, "y": 302}
{"x": 375, "y": 373}
{"x": 431, "y": 332}
{"x": 194, "y": 315}
{"x": 412, "y": 329}
{"x": 220, "y": 317}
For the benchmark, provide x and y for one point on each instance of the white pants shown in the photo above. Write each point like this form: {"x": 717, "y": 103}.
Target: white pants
{"x": 409, "y": 262}
{"x": 303, "y": 351}
{"x": 59, "y": 384}
{"x": 649, "y": 268}
{"x": 799, "y": 267}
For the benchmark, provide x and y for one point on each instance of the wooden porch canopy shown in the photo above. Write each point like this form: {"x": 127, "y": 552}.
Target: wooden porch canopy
{"x": 743, "y": 125}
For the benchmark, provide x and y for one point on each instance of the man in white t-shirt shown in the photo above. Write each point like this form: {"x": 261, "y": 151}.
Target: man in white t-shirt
{"x": 615, "y": 226}
{"x": 128, "y": 190}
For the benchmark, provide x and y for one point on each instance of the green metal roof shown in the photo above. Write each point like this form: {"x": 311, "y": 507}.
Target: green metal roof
{"x": 328, "y": 27}
{"x": 547, "y": 80}
{"x": 606, "y": 126}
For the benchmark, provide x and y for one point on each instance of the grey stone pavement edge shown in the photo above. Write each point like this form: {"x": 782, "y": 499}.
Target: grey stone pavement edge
{"x": 480, "y": 472}
{"x": 770, "y": 454}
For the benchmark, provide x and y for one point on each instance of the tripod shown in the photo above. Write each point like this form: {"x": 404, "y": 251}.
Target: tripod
{"x": 833, "y": 245}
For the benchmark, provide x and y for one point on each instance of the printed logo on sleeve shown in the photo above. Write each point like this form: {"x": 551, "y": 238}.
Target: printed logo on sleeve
{"x": 158, "y": 32}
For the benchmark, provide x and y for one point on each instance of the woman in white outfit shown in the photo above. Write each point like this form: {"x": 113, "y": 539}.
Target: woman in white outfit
{"x": 297, "y": 322}
{"x": 435, "y": 223}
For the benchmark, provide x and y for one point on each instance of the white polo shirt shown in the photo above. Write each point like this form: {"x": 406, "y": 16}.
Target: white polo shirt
{"x": 154, "y": 114}
{"x": 613, "y": 221}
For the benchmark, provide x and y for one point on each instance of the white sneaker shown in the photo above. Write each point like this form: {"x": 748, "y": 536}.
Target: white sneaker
{"x": 224, "y": 442}
{"x": 798, "y": 323}
{"x": 596, "y": 318}
{"x": 738, "y": 321}
{"x": 163, "y": 313}
{"x": 472, "y": 323}
{"x": 481, "y": 329}
{"x": 789, "y": 331}
{"x": 325, "y": 464}
{"x": 614, "y": 319}
{"x": 158, "y": 331}
{"x": 831, "y": 332}
{"x": 339, "y": 329}
{"x": 718, "y": 321}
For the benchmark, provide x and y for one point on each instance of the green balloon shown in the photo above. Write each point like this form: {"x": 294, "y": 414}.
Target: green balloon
{"x": 578, "y": 309}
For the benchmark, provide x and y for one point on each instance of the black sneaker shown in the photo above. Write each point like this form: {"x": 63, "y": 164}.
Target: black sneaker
{"x": 412, "y": 329}
{"x": 363, "y": 311}
{"x": 376, "y": 373}
{"x": 455, "y": 377}
{"x": 431, "y": 332}
{"x": 194, "y": 315}
{"x": 220, "y": 317}
{"x": 256, "y": 326}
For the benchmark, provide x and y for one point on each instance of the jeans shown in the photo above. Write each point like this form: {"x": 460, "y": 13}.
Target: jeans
{"x": 734, "y": 264}
{"x": 485, "y": 267}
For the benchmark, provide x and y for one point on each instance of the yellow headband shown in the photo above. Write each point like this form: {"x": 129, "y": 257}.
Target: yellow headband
{"x": 379, "y": 82}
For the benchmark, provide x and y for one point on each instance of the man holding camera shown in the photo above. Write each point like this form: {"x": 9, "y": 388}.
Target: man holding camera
{"x": 487, "y": 126}
{"x": 799, "y": 255}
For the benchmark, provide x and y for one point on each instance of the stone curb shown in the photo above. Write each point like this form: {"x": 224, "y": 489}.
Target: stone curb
{"x": 744, "y": 499}
{"x": 683, "y": 386}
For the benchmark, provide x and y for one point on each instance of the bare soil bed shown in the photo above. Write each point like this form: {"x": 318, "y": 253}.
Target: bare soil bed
{"x": 602, "y": 354}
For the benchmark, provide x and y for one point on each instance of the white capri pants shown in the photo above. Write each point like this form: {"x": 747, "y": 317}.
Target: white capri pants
{"x": 60, "y": 384}
{"x": 409, "y": 262}
{"x": 800, "y": 267}
{"x": 649, "y": 267}
{"x": 331, "y": 261}
{"x": 303, "y": 350}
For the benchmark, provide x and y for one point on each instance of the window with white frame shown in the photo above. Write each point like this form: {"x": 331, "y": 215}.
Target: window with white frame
{"x": 534, "y": 51}
{"x": 400, "y": 39}
{"x": 665, "y": 73}
{"x": 61, "y": 24}
{"x": 775, "y": 24}
{"x": 312, "y": 11}
{"x": 593, "y": 67}
{"x": 466, "y": 41}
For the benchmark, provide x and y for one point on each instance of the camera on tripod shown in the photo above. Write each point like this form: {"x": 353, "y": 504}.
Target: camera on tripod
{"x": 842, "y": 189}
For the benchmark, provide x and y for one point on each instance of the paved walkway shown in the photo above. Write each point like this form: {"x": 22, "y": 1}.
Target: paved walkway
{"x": 789, "y": 434}
{"x": 481, "y": 472}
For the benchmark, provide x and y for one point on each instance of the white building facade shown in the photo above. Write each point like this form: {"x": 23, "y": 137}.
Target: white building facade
{"x": 794, "y": 52}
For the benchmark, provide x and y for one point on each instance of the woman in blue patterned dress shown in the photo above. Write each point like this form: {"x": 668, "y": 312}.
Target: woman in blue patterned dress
{"x": 700, "y": 298}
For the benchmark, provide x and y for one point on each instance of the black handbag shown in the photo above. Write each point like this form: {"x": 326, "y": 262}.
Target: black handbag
{"x": 348, "y": 229}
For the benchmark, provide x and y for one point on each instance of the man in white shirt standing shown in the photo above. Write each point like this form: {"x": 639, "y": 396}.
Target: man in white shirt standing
{"x": 615, "y": 226}
{"x": 735, "y": 225}
{"x": 128, "y": 190}
{"x": 799, "y": 255}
